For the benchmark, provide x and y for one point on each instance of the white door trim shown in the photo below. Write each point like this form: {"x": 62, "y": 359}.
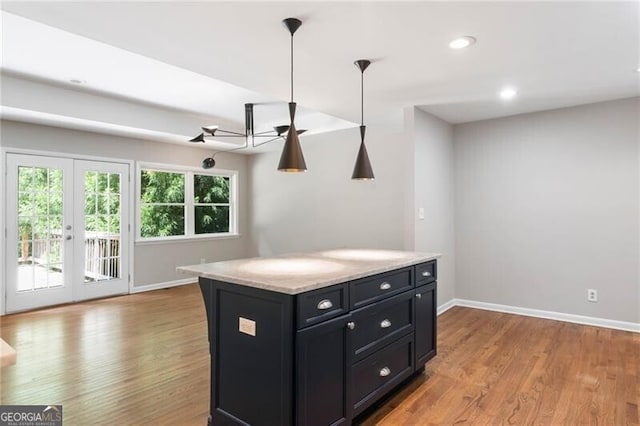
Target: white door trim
{"x": 86, "y": 291}
{"x": 3, "y": 225}
{"x": 37, "y": 298}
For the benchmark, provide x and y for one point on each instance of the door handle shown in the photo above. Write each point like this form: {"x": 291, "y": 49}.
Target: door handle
{"x": 68, "y": 237}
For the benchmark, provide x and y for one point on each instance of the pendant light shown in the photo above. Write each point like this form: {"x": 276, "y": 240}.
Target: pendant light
{"x": 292, "y": 159}
{"x": 362, "y": 169}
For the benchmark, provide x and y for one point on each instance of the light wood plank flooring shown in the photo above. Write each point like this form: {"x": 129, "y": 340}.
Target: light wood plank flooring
{"x": 143, "y": 359}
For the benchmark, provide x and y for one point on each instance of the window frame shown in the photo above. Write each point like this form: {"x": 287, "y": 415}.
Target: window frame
{"x": 189, "y": 202}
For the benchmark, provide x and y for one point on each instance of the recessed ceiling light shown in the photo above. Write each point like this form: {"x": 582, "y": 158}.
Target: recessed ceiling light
{"x": 462, "y": 42}
{"x": 77, "y": 81}
{"x": 508, "y": 93}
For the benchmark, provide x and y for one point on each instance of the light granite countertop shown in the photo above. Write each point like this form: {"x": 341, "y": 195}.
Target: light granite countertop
{"x": 301, "y": 272}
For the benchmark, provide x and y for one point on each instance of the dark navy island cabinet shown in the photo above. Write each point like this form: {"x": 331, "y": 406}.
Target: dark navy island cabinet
{"x": 321, "y": 357}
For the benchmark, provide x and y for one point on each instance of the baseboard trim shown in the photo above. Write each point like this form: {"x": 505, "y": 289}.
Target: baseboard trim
{"x": 166, "y": 284}
{"x": 446, "y": 306}
{"x": 558, "y": 316}
{"x": 536, "y": 313}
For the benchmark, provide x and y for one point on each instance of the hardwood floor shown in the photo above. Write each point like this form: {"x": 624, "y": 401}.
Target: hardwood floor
{"x": 495, "y": 368}
{"x": 143, "y": 358}
{"x": 137, "y": 359}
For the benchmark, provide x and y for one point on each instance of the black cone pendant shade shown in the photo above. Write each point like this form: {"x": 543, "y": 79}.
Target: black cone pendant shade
{"x": 362, "y": 169}
{"x": 292, "y": 159}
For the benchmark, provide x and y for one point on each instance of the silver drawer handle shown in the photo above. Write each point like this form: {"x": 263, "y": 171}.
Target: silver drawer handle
{"x": 419, "y": 295}
{"x": 325, "y": 304}
{"x": 426, "y": 274}
{"x": 385, "y": 324}
{"x": 351, "y": 325}
{"x": 385, "y": 372}
{"x": 385, "y": 286}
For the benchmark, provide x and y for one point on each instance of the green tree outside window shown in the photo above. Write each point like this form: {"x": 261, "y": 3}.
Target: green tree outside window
{"x": 165, "y": 203}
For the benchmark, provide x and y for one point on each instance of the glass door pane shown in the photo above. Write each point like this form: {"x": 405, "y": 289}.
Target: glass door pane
{"x": 102, "y": 226}
{"x": 40, "y": 250}
{"x": 38, "y": 265}
{"x": 101, "y": 246}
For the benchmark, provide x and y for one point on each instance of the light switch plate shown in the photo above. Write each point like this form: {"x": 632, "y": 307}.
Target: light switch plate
{"x": 421, "y": 213}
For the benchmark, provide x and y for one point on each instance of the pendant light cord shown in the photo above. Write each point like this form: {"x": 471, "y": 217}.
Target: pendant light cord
{"x": 362, "y": 98}
{"x": 292, "y": 68}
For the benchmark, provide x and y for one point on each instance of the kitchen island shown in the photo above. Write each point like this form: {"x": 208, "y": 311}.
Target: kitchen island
{"x": 315, "y": 338}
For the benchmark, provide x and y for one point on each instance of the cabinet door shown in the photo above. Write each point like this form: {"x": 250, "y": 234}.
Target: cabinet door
{"x": 323, "y": 373}
{"x": 425, "y": 324}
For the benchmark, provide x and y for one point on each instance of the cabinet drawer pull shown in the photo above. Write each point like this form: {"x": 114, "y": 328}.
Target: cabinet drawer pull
{"x": 419, "y": 295}
{"x": 325, "y": 304}
{"x": 426, "y": 274}
{"x": 351, "y": 325}
{"x": 385, "y": 372}
{"x": 385, "y": 286}
{"x": 385, "y": 324}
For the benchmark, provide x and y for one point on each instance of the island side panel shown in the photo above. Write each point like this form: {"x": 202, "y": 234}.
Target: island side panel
{"x": 252, "y": 354}
{"x": 206, "y": 288}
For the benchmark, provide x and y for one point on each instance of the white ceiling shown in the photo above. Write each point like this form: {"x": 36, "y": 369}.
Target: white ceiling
{"x": 555, "y": 53}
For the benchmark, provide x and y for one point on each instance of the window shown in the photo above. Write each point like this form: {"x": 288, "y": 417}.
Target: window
{"x": 211, "y": 203}
{"x": 176, "y": 203}
{"x": 162, "y": 203}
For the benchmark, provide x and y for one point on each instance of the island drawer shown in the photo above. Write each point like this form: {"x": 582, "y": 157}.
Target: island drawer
{"x": 381, "y": 323}
{"x": 368, "y": 290}
{"x": 426, "y": 273}
{"x": 375, "y": 375}
{"x": 322, "y": 304}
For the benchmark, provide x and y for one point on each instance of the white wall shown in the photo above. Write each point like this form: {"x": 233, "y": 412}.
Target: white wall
{"x": 154, "y": 263}
{"x": 323, "y": 208}
{"x": 637, "y": 118}
{"x": 547, "y": 206}
{"x": 409, "y": 164}
{"x": 433, "y": 191}
{"x": 528, "y": 211}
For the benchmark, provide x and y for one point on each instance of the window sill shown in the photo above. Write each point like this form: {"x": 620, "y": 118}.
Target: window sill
{"x": 188, "y": 239}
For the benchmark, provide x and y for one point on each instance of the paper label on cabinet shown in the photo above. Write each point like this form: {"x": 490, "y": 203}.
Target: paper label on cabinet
{"x": 247, "y": 326}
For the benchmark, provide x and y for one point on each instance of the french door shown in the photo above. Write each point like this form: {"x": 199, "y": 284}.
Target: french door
{"x": 67, "y": 230}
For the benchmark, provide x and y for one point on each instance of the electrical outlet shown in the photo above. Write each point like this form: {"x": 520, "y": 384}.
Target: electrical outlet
{"x": 592, "y": 295}
{"x": 203, "y": 260}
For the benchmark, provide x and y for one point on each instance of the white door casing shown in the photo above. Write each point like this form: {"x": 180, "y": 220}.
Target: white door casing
{"x": 57, "y": 249}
